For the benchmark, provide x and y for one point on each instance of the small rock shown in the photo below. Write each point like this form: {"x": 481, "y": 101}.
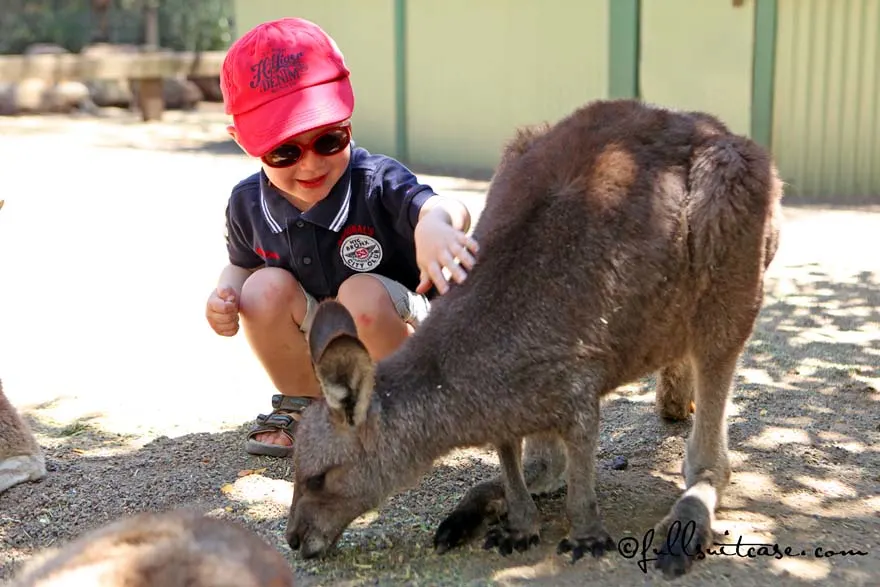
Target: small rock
{"x": 45, "y": 49}
{"x": 619, "y": 463}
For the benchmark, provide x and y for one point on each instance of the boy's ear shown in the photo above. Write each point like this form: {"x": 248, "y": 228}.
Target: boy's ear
{"x": 233, "y": 132}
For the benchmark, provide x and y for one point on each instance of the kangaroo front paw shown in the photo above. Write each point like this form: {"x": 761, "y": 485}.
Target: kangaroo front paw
{"x": 506, "y": 540}
{"x": 596, "y": 545}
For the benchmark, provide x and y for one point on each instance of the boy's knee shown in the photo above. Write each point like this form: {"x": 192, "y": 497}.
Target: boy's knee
{"x": 268, "y": 293}
{"x": 366, "y": 299}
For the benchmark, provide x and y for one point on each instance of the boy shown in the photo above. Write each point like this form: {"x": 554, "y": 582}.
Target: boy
{"x": 322, "y": 219}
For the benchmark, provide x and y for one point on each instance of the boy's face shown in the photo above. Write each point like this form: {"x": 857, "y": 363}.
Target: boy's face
{"x": 311, "y": 178}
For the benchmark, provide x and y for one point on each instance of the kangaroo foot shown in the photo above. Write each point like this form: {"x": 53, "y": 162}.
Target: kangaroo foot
{"x": 507, "y": 539}
{"x": 596, "y": 544}
{"x": 544, "y": 470}
{"x": 684, "y": 533}
{"x": 483, "y": 505}
{"x": 20, "y": 469}
{"x": 459, "y": 527}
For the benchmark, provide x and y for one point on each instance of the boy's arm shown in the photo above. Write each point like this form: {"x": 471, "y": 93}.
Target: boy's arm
{"x": 243, "y": 261}
{"x": 449, "y": 210}
{"x": 437, "y": 224}
{"x": 234, "y": 277}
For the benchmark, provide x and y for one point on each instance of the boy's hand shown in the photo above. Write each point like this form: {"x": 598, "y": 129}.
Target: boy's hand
{"x": 441, "y": 246}
{"x": 222, "y": 311}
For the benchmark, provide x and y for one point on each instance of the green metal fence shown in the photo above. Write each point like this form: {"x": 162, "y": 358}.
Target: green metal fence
{"x": 183, "y": 24}
{"x": 826, "y": 114}
{"x": 445, "y": 83}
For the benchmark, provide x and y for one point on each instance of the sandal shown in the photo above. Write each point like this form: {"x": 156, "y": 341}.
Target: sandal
{"x": 286, "y": 412}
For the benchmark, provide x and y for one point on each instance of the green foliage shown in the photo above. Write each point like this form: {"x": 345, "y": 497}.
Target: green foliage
{"x": 183, "y": 24}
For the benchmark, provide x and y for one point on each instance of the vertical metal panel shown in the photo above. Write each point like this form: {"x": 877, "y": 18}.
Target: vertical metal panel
{"x": 477, "y": 69}
{"x": 826, "y": 115}
{"x": 762, "y": 74}
{"x": 623, "y": 46}
{"x": 364, "y": 31}
{"x": 400, "y": 54}
{"x": 698, "y": 56}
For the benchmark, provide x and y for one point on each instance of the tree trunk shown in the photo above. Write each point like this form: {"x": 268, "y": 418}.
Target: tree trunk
{"x": 100, "y": 12}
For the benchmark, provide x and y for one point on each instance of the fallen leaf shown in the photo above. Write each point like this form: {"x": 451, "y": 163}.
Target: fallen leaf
{"x": 246, "y": 472}
{"x": 228, "y": 488}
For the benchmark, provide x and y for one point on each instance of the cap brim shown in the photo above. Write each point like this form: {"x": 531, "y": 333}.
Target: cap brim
{"x": 262, "y": 129}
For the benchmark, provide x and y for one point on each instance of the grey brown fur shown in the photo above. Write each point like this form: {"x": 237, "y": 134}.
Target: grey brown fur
{"x": 173, "y": 549}
{"x": 622, "y": 241}
{"x": 21, "y": 458}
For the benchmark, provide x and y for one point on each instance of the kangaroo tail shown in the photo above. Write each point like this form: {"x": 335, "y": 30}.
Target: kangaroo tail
{"x": 735, "y": 200}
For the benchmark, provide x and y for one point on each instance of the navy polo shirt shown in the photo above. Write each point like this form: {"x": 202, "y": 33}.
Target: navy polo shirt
{"x": 365, "y": 224}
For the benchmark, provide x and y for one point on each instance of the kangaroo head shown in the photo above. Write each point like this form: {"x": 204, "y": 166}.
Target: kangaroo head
{"x": 336, "y": 471}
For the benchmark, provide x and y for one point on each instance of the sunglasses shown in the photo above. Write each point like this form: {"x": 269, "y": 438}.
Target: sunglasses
{"x": 330, "y": 142}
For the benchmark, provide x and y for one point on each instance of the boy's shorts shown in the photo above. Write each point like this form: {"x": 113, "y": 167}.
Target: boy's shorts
{"x": 411, "y": 307}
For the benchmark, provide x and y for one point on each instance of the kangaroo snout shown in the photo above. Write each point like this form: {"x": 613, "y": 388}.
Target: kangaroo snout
{"x": 310, "y": 543}
{"x": 308, "y": 538}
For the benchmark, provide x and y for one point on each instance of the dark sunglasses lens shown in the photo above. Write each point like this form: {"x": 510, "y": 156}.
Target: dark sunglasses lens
{"x": 331, "y": 142}
{"x": 283, "y": 156}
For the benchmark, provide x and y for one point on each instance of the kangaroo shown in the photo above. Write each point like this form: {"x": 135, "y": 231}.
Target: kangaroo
{"x": 179, "y": 548}
{"x": 624, "y": 240}
{"x": 21, "y": 458}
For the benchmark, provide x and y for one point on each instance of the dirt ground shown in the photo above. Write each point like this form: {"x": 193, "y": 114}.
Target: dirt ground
{"x": 110, "y": 241}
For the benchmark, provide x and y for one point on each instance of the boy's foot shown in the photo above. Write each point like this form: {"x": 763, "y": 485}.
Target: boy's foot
{"x": 273, "y": 433}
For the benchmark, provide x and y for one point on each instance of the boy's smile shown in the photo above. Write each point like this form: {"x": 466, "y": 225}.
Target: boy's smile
{"x": 311, "y": 184}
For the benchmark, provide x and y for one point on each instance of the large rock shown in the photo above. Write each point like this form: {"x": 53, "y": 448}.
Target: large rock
{"x": 36, "y": 96}
{"x": 210, "y": 87}
{"x": 178, "y": 93}
{"x": 26, "y": 96}
{"x": 111, "y": 92}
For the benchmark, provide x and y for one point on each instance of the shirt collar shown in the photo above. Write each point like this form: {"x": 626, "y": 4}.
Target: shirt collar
{"x": 330, "y": 213}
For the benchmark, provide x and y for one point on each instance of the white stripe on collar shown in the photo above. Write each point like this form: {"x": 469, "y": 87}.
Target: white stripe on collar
{"x": 342, "y": 215}
{"x": 273, "y": 224}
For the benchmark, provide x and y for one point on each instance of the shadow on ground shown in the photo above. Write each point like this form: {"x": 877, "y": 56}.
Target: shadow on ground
{"x": 803, "y": 429}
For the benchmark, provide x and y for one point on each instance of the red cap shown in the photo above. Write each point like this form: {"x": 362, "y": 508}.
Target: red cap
{"x": 282, "y": 78}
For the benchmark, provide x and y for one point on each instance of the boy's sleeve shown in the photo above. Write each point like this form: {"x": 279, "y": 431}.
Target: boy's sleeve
{"x": 403, "y": 195}
{"x": 237, "y": 244}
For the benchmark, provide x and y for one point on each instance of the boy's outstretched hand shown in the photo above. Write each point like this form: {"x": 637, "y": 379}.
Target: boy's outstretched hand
{"x": 439, "y": 246}
{"x": 222, "y": 311}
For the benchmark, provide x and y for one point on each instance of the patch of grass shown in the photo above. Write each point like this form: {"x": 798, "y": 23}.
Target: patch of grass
{"x": 75, "y": 429}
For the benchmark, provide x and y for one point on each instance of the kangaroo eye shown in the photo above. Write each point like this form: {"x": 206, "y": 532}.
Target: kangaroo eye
{"x": 316, "y": 482}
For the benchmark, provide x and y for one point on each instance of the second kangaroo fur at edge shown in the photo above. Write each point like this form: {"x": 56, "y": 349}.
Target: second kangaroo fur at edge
{"x": 176, "y": 548}
{"x": 623, "y": 240}
{"x": 21, "y": 458}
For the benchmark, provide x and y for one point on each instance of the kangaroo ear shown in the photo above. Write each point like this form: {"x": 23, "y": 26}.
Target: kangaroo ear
{"x": 342, "y": 363}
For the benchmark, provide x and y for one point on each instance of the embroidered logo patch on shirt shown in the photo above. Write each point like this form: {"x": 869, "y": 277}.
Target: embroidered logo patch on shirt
{"x": 361, "y": 252}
